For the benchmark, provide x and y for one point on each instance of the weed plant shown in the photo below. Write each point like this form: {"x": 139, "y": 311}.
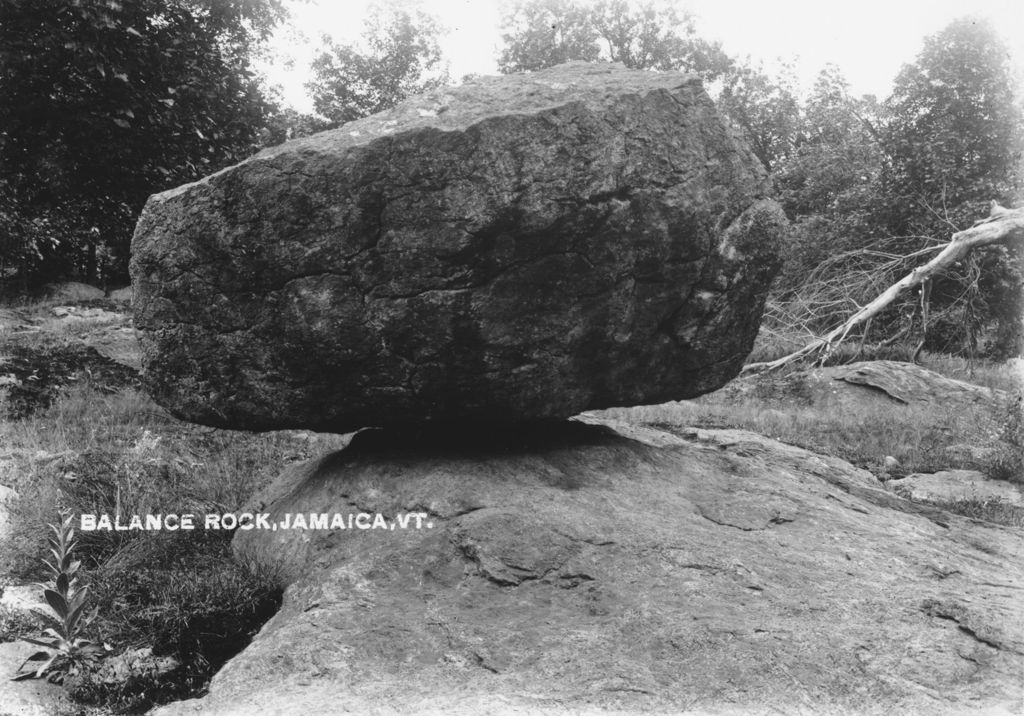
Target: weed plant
{"x": 65, "y": 651}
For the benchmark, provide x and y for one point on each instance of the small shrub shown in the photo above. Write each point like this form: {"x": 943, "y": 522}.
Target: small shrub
{"x": 1008, "y": 460}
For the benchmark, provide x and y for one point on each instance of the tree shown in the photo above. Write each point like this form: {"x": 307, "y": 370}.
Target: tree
{"x": 955, "y": 133}
{"x": 545, "y": 33}
{"x": 954, "y": 141}
{"x": 651, "y": 35}
{"x": 871, "y": 189}
{"x": 765, "y": 108}
{"x": 104, "y": 102}
{"x": 828, "y": 182}
{"x": 400, "y": 56}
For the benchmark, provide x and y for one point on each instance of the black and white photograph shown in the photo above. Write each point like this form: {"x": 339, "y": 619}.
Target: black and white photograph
{"x": 484, "y": 357}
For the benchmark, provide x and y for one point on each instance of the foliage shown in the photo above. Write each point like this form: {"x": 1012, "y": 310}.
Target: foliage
{"x": 990, "y": 510}
{"x": 16, "y": 624}
{"x": 400, "y": 56}
{"x": 65, "y": 651}
{"x": 286, "y": 123}
{"x": 648, "y": 35}
{"x": 954, "y": 135}
{"x": 953, "y": 141}
{"x": 1007, "y": 462}
{"x": 183, "y": 597}
{"x": 104, "y": 102}
{"x": 872, "y": 189}
{"x": 828, "y": 182}
{"x": 765, "y": 108}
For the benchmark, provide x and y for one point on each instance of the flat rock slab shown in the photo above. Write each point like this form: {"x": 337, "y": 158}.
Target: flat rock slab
{"x": 518, "y": 248}
{"x": 596, "y": 567}
{"x": 35, "y": 697}
{"x": 953, "y": 485}
{"x": 71, "y": 291}
{"x": 862, "y": 384}
{"x": 119, "y": 344}
{"x": 909, "y": 383}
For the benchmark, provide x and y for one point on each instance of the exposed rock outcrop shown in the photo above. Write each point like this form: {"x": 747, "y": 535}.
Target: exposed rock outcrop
{"x": 517, "y": 248}
{"x": 952, "y": 485}
{"x": 909, "y": 383}
{"x": 864, "y": 383}
{"x": 584, "y": 568}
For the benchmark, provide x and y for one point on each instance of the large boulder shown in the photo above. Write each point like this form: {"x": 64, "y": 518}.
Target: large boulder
{"x": 595, "y": 568}
{"x": 517, "y": 248}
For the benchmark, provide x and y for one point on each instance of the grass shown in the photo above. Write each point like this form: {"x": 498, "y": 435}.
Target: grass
{"x": 864, "y": 436}
{"x": 919, "y": 437}
{"x": 996, "y": 511}
{"x": 90, "y": 441}
{"x": 180, "y": 594}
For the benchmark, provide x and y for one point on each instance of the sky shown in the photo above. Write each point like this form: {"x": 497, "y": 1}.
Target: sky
{"x": 869, "y": 40}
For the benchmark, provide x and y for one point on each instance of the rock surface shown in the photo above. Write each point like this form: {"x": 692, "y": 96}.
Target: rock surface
{"x": 36, "y": 697}
{"x": 517, "y": 248}
{"x": 865, "y": 383}
{"x": 909, "y": 383}
{"x": 581, "y": 568}
{"x": 951, "y": 485}
{"x": 25, "y": 598}
{"x": 71, "y": 291}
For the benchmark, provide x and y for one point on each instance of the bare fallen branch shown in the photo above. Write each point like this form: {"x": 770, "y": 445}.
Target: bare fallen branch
{"x": 1002, "y": 225}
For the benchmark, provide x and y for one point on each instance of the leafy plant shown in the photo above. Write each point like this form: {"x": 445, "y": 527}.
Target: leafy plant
{"x": 65, "y": 651}
{"x": 171, "y": 96}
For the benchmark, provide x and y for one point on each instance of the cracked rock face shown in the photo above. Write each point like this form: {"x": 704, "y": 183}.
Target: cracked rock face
{"x": 517, "y": 248}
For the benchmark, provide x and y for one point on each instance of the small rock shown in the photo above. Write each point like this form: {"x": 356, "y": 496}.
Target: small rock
{"x": 892, "y": 465}
{"x": 27, "y": 598}
{"x": 121, "y": 295}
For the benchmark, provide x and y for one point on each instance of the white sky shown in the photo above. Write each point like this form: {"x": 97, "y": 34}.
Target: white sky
{"x": 868, "y": 39}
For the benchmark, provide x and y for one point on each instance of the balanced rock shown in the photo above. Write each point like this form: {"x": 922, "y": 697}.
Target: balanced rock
{"x": 516, "y": 248}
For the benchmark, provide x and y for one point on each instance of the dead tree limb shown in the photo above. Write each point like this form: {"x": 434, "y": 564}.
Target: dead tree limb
{"x": 1002, "y": 225}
